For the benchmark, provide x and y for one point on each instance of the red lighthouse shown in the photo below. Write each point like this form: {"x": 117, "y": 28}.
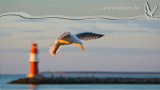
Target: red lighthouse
{"x": 33, "y": 71}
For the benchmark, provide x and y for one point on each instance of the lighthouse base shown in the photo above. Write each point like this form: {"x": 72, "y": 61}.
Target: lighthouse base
{"x": 33, "y": 72}
{"x": 33, "y": 76}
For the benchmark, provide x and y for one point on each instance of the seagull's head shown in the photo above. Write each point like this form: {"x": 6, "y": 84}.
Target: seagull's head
{"x": 80, "y": 45}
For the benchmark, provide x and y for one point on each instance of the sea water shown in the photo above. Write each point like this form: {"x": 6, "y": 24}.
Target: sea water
{"x": 6, "y": 78}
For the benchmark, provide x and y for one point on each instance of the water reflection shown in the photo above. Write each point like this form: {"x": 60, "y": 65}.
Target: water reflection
{"x": 32, "y": 87}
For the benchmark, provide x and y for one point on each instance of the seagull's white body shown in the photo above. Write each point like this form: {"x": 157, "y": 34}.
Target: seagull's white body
{"x": 69, "y": 38}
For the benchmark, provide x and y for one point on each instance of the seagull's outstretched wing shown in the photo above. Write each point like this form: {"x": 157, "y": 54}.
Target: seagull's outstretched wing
{"x": 154, "y": 10}
{"x": 147, "y": 8}
{"x": 88, "y": 36}
{"x": 63, "y": 36}
{"x": 54, "y": 48}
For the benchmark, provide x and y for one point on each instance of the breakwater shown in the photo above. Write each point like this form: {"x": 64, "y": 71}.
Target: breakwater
{"x": 85, "y": 80}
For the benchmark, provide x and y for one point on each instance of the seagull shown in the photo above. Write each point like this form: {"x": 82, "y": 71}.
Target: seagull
{"x": 69, "y": 38}
{"x": 148, "y": 11}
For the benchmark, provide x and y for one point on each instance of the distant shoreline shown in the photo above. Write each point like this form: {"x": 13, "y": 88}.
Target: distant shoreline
{"x": 98, "y": 72}
{"x": 94, "y": 72}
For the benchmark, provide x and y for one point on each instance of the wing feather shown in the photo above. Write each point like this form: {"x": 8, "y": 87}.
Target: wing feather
{"x": 54, "y": 48}
{"x": 88, "y": 36}
{"x": 64, "y": 35}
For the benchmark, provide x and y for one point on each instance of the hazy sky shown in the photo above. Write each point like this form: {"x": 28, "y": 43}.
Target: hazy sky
{"x": 128, "y": 45}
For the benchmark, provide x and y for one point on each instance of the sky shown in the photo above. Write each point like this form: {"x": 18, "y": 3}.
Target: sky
{"x": 79, "y": 7}
{"x": 127, "y": 45}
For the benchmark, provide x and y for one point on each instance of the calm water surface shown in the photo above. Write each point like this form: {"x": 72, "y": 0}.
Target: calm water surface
{"x": 6, "y": 78}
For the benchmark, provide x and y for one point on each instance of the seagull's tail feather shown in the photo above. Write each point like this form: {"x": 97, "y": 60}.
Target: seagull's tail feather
{"x": 54, "y": 48}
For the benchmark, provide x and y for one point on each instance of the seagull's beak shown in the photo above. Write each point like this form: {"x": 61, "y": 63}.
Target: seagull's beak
{"x": 81, "y": 46}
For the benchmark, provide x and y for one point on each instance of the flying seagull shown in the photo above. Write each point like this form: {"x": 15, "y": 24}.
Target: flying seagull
{"x": 148, "y": 11}
{"x": 69, "y": 38}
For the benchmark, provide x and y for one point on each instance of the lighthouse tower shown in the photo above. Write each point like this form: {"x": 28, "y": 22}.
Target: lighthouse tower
{"x": 33, "y": 71}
